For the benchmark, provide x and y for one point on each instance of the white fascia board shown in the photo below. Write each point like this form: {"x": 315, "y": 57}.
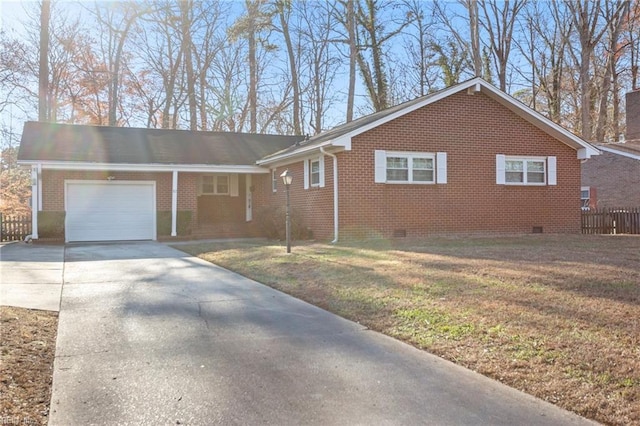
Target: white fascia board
{"x": 618, "y": 152}
{"x": 289, "y": 157}
{"x": 114, "y": 167}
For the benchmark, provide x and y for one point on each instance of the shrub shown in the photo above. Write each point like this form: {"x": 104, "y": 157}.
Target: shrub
{"x": 183, "y": 222}
{"x": 272, "y": 223}
{"x": 51, "y": 224}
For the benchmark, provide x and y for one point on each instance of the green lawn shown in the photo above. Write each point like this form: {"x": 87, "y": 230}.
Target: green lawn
{"x": 556, "y": 316}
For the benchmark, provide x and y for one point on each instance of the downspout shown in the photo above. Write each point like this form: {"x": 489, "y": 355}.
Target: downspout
{"x": 335, "y": 194}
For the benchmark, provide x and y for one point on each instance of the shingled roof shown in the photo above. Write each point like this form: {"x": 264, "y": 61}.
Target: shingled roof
{"x": 125, "y": 145}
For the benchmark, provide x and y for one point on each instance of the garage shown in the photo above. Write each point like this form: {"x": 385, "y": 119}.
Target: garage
{"x": 110, "y": 210}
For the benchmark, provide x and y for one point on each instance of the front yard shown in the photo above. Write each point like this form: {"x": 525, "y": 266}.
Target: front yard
{"x": 555, "y": 316}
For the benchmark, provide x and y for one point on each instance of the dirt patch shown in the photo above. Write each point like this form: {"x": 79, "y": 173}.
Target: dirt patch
{"x": 27, "y": 349}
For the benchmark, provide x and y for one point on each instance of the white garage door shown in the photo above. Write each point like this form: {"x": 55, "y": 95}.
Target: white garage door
{"x": 110, "y": 211}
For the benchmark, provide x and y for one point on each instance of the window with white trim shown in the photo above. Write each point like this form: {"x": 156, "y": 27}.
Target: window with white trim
{"x": 534, "y": 171}
{"x": 585, "y": 197}
{"x": 214, "y": 185}
{"x": 410, "y": 167}
{"x": 314, "y": 172}
{"x": 274, "y": 180}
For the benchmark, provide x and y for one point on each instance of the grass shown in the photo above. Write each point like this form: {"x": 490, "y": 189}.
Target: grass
{"x": 555, "y": 316}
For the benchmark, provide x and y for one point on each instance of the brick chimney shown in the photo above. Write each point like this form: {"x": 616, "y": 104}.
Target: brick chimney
{"x": 633, "y": 115}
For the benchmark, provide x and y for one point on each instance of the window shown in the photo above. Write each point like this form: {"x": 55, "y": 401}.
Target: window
{"x": 410, "y": 167}
{"x": 314, "y": 172}
{"x": 585, "y": 197}
{"x": 222, "y": 184}
{"x": 314, "y": 169}
{"x": 274, "y": 180}
{"x": 525, "y": 170}
{"x": 214, "y": 185}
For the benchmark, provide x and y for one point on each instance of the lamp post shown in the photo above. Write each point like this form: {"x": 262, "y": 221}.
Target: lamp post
{"x": 287, "y": 178}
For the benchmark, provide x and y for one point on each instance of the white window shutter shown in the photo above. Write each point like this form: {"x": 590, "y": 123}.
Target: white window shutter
{"x": 306, "y": 174}
{"x": 500, "y": 169}
{"x": 551, "y": 171}
{"x": 441, "y": 167}
{"x": 233, "y": 185}
{"x": 321, "y": 166}
{"x": 380, "y": 166}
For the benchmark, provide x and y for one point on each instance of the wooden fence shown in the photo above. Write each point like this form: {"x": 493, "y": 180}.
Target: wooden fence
{"x": 14, "y": 228}
{"x": 611, "y": 221}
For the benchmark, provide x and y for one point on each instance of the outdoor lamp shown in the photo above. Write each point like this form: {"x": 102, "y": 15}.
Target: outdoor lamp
{"x": 287, "y": 178}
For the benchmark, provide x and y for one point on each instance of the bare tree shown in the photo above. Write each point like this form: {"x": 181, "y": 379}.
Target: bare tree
{"x": 43, "y": 72}
{"x": 250, "y": 26}
{"x": 587, "y": 20}
{"x": 499, "y": 21}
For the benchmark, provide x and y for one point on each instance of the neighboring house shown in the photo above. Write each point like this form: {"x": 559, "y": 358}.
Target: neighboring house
{"x": 612, "y": 179}
{"x": 467, "y": 159}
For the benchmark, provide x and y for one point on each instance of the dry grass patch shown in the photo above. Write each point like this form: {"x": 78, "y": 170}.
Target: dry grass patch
{"x": 27, "y": 349}
{"x": 555, "y": 316}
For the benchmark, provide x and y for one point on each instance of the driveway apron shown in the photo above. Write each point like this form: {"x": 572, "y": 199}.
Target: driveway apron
{"x": 150, "y": 335}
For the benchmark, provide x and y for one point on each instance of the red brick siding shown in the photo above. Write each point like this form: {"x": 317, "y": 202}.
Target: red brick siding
{"x": 314, "y": 206}
{"x": 614, "y": 180}
{"x": 471, "y": 130}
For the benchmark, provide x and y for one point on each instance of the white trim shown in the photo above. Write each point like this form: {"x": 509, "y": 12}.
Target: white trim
{"x": 306, "y": 173}
{"x": 552, "y": 178}
{"x": 525, "y": 159}
{"x": 274, "y": 180}
{"x": 34, "y": 202}
{"x": 234, "y": 189}
{"x": 380, "y": 161}
{"x": 410, "y": 156}
{"x": 248, "y": 199}
{"x": 501, "y": 169}
{"x": 120, "y": 167}
{"x": 174, "y": 203}
{"x": 39, "y": 187}
{"x": 335, "y": 195}
{"x": 441, "y": 167}
{"x": 215, "y": 177}
{"x": 583, "y": 149}
{"x": 618, "y": 152}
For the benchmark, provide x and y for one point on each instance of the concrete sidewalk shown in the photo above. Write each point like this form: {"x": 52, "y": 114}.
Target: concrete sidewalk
{"x": 31, "y": 275}
{"x": 151, "y": 336}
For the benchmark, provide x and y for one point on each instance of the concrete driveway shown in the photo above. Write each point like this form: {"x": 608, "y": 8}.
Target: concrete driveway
{"x": 150, "y": 335}
{"x": 31, "y": 275}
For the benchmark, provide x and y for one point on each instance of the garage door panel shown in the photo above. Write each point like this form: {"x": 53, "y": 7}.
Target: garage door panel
{"x": 109, "y": 211}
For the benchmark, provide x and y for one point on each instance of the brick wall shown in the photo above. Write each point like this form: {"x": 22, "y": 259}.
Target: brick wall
{"x": 53, "y": 187}
{"x": 616, "y": 180}
{"x": 471, "y": 129}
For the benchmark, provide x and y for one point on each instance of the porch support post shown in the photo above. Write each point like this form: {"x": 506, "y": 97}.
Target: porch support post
{"x": 174, "y": 204}
{"x": 39, "y": 187}
{"x": 35, "y": 208}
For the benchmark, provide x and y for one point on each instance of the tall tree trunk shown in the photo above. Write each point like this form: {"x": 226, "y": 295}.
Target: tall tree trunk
{"x": 43, "y": 72}
{"x": 185, "y": 8}
{"x": 353, "y": 53}
{"x": 474, "y": 29}
{"x": 293, "y": 69}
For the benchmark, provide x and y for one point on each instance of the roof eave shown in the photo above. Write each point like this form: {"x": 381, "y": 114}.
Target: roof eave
{"x": 124, "y": 167}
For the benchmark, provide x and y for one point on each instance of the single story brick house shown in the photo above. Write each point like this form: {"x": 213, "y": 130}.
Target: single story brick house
{"x": 467, "y": 159}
